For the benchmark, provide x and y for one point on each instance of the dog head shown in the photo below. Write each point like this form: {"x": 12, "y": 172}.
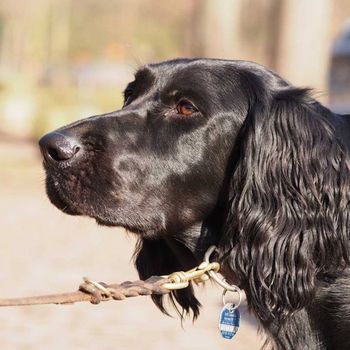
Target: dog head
{"x": 212, "y": 151}
{"x": 156, "y": 166}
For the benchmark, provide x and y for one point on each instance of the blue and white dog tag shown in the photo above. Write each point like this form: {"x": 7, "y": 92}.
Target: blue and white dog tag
{"x": 229, "y": 321}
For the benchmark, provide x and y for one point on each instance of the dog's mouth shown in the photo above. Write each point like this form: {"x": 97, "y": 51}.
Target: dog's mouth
{"x": 66, "y": 204}
{"x": 77, "y": 200}
{"x": 58, "y": 199}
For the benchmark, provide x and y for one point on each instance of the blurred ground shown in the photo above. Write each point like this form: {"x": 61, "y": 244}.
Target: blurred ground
{"x": 45, "y": 251}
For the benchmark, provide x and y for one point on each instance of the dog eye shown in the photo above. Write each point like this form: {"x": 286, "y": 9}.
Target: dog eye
{"x": 186, "y": 108}
{"x": 127, "y": 100}
{"x": 127, "y": 97}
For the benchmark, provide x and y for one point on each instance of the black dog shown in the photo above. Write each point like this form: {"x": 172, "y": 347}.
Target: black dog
{"x": 227, "y": 153}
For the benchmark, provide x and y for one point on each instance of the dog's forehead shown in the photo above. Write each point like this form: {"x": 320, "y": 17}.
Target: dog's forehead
{"x": 208, "y": 69}
{"x": 202, "y": 77}
{"x": 184, "y": 73}
{"x": 184, "y": 67}
{"x": 168, "y": 70}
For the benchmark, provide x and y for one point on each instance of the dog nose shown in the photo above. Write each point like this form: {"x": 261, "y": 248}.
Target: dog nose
{"x": 57, "y": 147}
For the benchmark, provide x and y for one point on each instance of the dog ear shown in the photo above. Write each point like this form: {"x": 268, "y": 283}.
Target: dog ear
{"x": 288, "y": 217}
{"x": 156, "y": 257}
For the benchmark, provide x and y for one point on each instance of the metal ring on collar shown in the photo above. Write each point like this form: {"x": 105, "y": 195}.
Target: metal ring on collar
{"x": 235, "y": 306}
{"x": 215, "y": 277}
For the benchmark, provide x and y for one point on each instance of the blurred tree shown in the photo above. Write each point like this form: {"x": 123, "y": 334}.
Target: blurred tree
{"x": 59, "y": 31}
{"x": 305, "y": 42}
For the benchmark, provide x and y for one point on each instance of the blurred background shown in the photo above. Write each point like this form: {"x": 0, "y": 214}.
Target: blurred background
{"x": 61, "y": 60}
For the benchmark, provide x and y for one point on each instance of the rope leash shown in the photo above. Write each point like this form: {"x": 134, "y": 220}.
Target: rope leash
{"x": 177, "y": 280}
{"x": 127, "y": 289}
{"x": 95, "y": 292}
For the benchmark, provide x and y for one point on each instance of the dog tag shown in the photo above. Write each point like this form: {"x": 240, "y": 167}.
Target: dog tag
{"x": 229, "y": 321}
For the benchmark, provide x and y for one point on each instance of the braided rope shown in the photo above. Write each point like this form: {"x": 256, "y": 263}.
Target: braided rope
{"x": 88, "y": 292}
{"x": 100, "y": 291}
{"x": 95, "y": 292}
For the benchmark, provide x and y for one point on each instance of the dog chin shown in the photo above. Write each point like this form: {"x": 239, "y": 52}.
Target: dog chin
{"x": 104, "y": 222}
{"x": 60, "y": 203}
{"x": 148, "y": 233}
